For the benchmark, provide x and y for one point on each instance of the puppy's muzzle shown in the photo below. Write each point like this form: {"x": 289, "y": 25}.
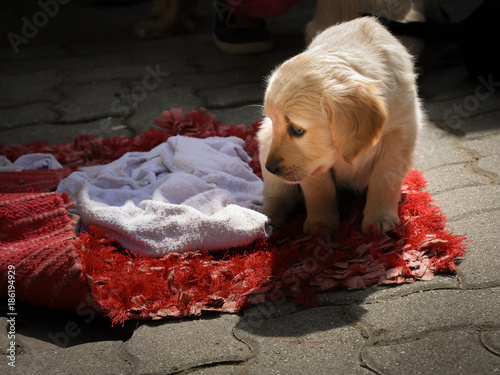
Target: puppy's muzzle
{"x": 273, "y": 165}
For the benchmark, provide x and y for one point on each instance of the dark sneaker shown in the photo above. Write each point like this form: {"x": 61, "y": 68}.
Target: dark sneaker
{"x": 231, "y": 36}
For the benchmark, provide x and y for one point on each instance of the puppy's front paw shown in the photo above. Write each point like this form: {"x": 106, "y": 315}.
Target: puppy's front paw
{"x": 382, "y": 222}
{"x": 278, "y": 210}
{"x": 277, "y": 218}
{"x": 322, "y": 225}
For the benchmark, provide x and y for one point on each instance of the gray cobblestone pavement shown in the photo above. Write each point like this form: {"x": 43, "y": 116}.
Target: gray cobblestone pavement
{"x": 84, "y": 71}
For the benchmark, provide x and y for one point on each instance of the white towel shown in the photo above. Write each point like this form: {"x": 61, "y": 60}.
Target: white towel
{"x": 185, "y": 194}
{"x": 29, "y": 162}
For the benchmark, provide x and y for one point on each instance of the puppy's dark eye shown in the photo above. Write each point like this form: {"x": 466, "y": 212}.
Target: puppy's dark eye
{"x": 295, "y": 131}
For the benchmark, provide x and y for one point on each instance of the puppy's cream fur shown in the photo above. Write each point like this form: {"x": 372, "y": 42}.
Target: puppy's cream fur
{"x": 344, "y": 113}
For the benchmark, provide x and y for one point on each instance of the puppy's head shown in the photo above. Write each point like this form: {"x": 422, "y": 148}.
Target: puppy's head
{"x": 319, "y": 113}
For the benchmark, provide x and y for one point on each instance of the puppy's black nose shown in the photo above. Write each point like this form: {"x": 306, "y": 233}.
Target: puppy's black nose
{"x": 273, "y": 168}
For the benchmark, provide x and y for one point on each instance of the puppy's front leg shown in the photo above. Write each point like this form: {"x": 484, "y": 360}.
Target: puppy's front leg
{"x": 384, "y": 186}
{"x": 321, "y": 204}
{"x": 381, "y": 210}
{"x": 280, "y": 199}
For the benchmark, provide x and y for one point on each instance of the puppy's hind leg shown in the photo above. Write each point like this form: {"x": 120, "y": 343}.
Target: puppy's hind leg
{"x": 280, "y": 199}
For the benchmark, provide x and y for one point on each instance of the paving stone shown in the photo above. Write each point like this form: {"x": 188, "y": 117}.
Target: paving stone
{"x": 486, "y": 146}
{"x": 372, "y": 294}
{"x": 491, "y": 166}
{"x": 58, "y": 64}
{"x": 90, "y": 101}
{"x": 169, "y": 62}
{"x": 460, "y": 202}
{"x": 45, "y": 330}
{"x": 435, "y": 148}
{"x": 171, "y": 53}
{"x": 4, "y": 340}
{"x": 36, "y": 87}
{"x": 220, "y": 370}
{"x": 485, "y": 153}
{"x": 444, "y": 83}
{"x": 33, "y": 52}
{"x": 256, "y": 67}
{"x": 180, "y": 345}
{"x": 211, "y": 65}
{"x": 32, "y": 345}
{"x": 53, "y": 134}
{"x": 157, "y": 101}
{"x": 93, "y": 358}
{"x": 477, "y": 268}
{"x": 233, "y": 96}
{"x": 421, "y": 313}
{"x": 468, "y": 102}
{"x": 226, "y": 78}
{"x": 256, "y": 314}
{"x": 451, "y": 177}
{"x": 379, "y": 293}
{"x": 482, "y": 125}
{"x": 106, "y": 73}
{"x": 455, "y": 352}
{"x": 34, "y": 113}
{"x": 154, "y": 77}
{"x": 315, "y": 341}
{"x": 491, "y": 340}
{"x": 245, "y": 115}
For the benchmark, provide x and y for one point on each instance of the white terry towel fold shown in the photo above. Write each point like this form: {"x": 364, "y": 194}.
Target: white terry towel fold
{"x": 185, "y": 194}
{"x": 29, "y": 162}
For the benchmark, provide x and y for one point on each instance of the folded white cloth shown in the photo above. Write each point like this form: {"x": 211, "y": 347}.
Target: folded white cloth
{"x": 30, "y": 162}
{"x": 185, "y": 194}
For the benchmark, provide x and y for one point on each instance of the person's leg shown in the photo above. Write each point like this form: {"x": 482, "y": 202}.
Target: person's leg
{"x": 250, "y": 12}
{"x": 239, "y": 25}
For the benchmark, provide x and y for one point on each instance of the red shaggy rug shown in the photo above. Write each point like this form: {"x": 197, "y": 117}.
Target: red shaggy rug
{"x": 57, "y": 269}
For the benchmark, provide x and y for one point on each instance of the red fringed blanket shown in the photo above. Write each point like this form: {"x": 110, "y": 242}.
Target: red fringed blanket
{"x": 56, "y": 269}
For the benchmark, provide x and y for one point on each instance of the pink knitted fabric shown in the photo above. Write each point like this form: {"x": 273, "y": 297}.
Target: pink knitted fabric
{"x": 37, "y": 237}
{"x": 32, "y": 181}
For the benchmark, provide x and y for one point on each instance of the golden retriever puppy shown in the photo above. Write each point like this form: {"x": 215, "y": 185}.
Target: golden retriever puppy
{"x": 343, "y": 113}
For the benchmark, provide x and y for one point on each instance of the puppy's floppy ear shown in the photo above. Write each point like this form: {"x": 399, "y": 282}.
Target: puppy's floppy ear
{"x": 357, "y": 117}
